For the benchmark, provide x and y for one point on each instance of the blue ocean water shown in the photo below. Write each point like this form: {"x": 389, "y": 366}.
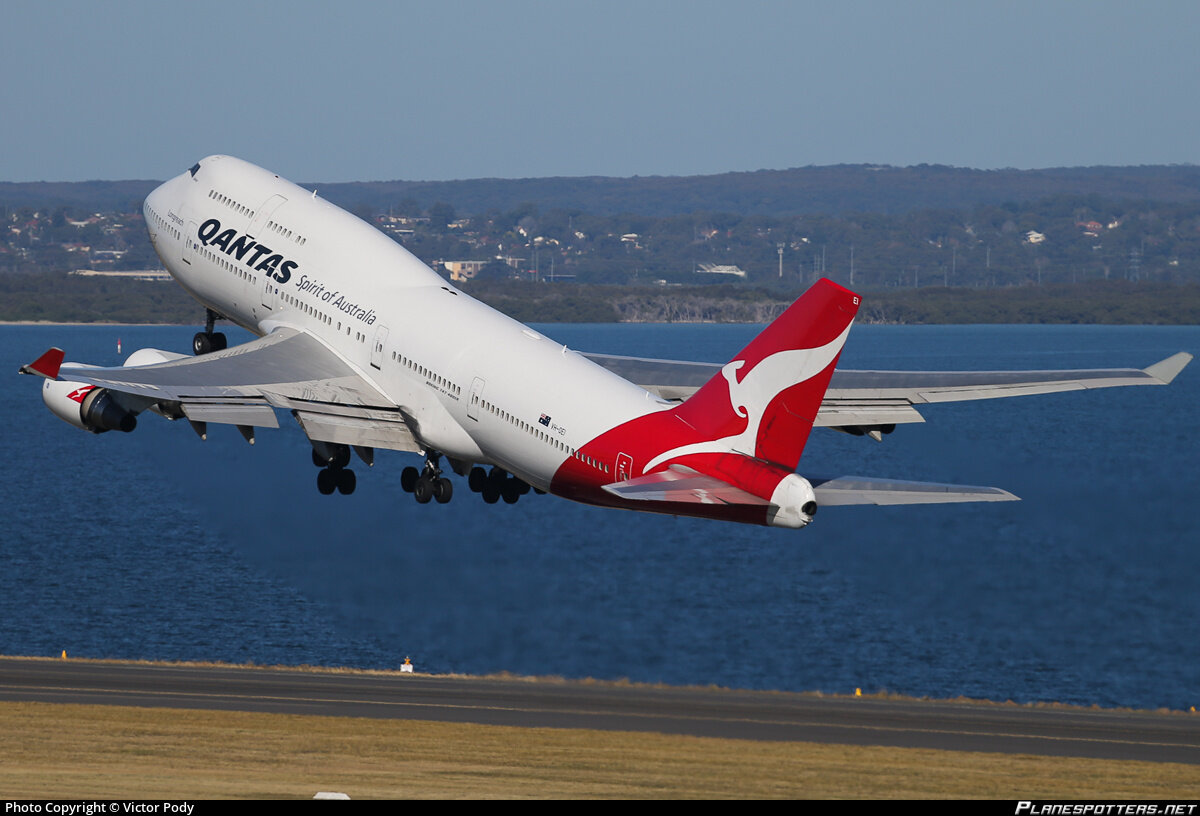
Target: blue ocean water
{"x": 158, "y": 545}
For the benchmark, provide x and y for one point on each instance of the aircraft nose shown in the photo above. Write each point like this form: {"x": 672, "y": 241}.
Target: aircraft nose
{"x": 153, "y": 202}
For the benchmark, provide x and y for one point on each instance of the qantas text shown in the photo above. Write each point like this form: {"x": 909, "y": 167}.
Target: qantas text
{"x": 258, "y": 257}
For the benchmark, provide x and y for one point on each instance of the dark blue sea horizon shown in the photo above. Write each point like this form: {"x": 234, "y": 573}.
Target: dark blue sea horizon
{"x": 156, "y": 545}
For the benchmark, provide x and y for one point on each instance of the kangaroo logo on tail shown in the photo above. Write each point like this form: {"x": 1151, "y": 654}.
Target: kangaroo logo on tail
{"x": 751, "y": 396}
{"x": 763, "y": 403}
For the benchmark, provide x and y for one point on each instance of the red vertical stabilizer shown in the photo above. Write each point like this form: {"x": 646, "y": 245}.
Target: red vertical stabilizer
{"x": 765, "y": 400}
{"x": 746, "y": 427}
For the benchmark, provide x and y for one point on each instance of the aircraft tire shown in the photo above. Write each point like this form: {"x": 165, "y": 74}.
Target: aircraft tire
{"x": 408, "y": 479}
{"x": 477, "y": 479}
{"x": 510, "y": 492}
{"x": 496, "y": 478}
{"x": 219, "y": 341}
{"x": 423, "y": 491}
{"x": 341, "y": 456}
{"x": 201, "y": 343}
{"x": 491, "y": 494}
{"x": 443, "y": 490}
{"x": 346, "y": 482}
{"x": 326, "y": 481}
{"x": 522, "y": 486}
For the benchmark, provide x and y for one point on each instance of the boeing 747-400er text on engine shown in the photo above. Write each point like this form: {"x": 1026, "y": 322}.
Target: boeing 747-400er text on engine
{"x": 368, "y": 348}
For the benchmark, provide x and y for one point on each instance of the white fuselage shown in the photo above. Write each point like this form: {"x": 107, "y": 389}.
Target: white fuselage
{"x": 266, "y": 254}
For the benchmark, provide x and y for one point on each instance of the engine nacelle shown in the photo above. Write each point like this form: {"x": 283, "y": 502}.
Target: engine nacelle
{"x": 793, "y": 503}
{"x": 86, "y": 406}
{"x": 150, "y": 356}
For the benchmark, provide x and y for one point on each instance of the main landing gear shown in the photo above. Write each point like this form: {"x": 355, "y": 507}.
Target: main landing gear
{"x": 496, "y": 484}
{"x": 208, "y": 340}
{"x": 428, "y": 483}
{"x": 334, "y": 475}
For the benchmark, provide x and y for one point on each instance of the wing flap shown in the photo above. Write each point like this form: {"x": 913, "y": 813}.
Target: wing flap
{"x": 360, "y": 431}
{"x": 258, "y": 416}
{"x": 851, "y": 490}
{"x": 840, "y": 413}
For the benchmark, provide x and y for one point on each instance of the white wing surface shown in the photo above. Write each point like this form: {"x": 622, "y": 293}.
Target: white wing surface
{"x": 244, "y": 385}
{"x": 874, "y": 398}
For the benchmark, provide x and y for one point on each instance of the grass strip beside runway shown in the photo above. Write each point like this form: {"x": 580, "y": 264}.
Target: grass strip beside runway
{"x": 72, "y": 751}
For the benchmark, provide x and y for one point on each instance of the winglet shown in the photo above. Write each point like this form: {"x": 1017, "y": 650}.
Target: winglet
{"x": 1166, "y": 370}
{"x": 45, "y": 366}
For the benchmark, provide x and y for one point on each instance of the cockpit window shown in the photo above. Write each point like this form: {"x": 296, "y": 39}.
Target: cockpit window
{"x": 194, "y": 168}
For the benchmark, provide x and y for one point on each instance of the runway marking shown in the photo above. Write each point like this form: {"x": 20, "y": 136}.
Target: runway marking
{"x": 182, "y": 695}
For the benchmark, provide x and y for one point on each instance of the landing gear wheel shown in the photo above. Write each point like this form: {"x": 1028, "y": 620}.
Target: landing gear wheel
{"x": 331, "y": 456}
{"x": 201, "y": 343}
{"x": 491, "y": 493}
{"x": 408, "y": 479}
{"x": 442, "y": 490}
{"x": 496, "y": 478}
{"x": 511, "y": 492}
{"x": 423, "y": 490}
{"x": 219, "y": 343}
{"x": 327, "y": 481}
{"x": 477, "y": 479}
{"x": 346, "y": 481}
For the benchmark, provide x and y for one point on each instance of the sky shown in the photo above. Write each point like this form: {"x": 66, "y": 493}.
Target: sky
{"x": 361, "y": 91}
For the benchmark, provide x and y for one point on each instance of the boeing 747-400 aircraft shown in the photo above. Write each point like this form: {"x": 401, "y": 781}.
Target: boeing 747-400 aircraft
{"x": 368, "y": 348}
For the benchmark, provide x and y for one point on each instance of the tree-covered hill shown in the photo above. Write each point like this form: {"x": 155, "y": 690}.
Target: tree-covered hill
{"x": 833, "y": 190}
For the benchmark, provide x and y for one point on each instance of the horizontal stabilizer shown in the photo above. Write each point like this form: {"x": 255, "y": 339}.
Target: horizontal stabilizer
{"x": 679, "y": 484}
{"x": 846, "y": 490}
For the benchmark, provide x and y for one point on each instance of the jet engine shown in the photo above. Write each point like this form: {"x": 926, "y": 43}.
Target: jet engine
{"x": 97, "y": 409}
{"x": 87, "y": 406}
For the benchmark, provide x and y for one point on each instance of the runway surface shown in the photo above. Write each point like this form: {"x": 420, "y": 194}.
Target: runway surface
{"x": 1150, "y": 736}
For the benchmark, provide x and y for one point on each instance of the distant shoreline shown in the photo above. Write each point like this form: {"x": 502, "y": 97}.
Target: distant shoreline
{"x": 68, "y": 323}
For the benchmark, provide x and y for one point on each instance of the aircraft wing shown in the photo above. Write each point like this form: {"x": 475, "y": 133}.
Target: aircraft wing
{"x": 244, "y": 385}
{"x": 878, "y": 398}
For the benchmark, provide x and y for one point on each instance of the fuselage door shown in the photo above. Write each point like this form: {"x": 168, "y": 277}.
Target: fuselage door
{"x": 189, "y": 242}
{"x": 476, "y": 395}
{"x": 264, "y": 212}
{"x": 624, "y": 467}
{"x": 377, "y": 349}
{"x": 269, "y": 291}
